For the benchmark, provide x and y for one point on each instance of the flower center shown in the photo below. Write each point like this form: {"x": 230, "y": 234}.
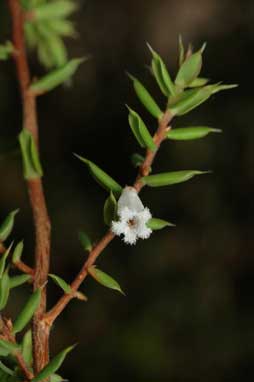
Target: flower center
{"x": 131, "y": 223}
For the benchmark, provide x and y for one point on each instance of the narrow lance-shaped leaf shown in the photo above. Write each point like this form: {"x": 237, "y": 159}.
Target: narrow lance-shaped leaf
{"x": 140, "y": 130}
{"x": 104, "y": 279}
{"x": 27, "y": 312}
{"x": 54, "y": 10}
{"x": 110, "y": 209}
{"x": 5, "y": 372}
{"x": 169, "y": 178}
{"x": 189, "y": 70}
{"x": 190, "y": 133}
{"x": 53, "y": 365}
{"x": 31, "y": 163}
{"x": 56, "y": 77}
{"x": 62, "y": 27}
{"x": 189, "y": 100}
{"x": 181, "y": 50}
{"x": 101, "y": 177}
{"x": 27, "y": 347}
{"x": 146, "y": 98}
{"x": 85, "y": 241}
{"x": 3, "y": 260}
{"x": 4, "y": 289}
{"x": 16, "y": 281}
{"x": 57, "y": 378}
{"x": 61, "y": 283}
{"x": 137, "y": 160}
{"x": 198, "y": 82}
{"x": 7, "y": 225}
{"x": 156, "y": 224}
{"x": 17, "y": 253}
{"x": 161, "y": 74}
{"x": 9, "y": 346}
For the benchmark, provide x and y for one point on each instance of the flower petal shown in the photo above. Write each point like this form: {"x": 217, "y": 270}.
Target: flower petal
{"x": 130, "y": 199}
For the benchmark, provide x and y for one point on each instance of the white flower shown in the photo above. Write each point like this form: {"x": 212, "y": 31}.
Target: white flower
{"x": 133, "y": 217}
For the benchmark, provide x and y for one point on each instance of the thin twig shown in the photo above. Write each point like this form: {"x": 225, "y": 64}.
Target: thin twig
{"x": 35, "y": 188}
{"x": 159, "y": 136}
{"x": 20, "y": 265}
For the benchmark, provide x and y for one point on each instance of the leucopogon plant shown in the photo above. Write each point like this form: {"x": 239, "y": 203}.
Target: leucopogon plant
{"x": 41, "y": 25}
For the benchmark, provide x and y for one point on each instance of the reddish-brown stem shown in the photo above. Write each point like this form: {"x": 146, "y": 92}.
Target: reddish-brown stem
{"x": 35, "y": 188}
{"x": 20, "y": 265}
{"x": 159, "y": 136}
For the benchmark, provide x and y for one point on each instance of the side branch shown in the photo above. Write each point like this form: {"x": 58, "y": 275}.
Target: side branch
{"x": 159, "y": 136}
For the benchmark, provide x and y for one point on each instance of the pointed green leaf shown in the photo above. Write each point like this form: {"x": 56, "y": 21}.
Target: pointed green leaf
{"x": 61, "y": 283}
{"x": 219, "y": 87}
{"x": 198, "y": 82}
{"x": 17, "y": 253}
{"x": 27, "y": 347}
{"x": 168, "y": 178}
{"x": 53, "y": 10}
{"x": 137, "y": 160}
{"x": 19, "y": 280}
{"x": 101, "y": 177}
{"x": 6, "y": 50}
{"x": 3, "y": 260}
{"x": 140, "y": 130}
{"x": 4, "y": 289}
{"x": 57, "y": 378}
{"x": 7, "y": 225}
{"x": 31, "y": 164}
{"x": 189, "y": 70}
{"x": 189, "y": 100}
{"x": 53, "y": 365}
{"x": 9, "y": 346}
{"x": 5, "y": 372}
{"x": 62, "y": 27}
{"x": 146, "y": 98}
{"x": 181, "y": 51}
{"x": 189, "y": 133}
{"x": 27, "y": 312}
{"x": 104, "y": 279}
{"x": 156, "y": 224}
{"x": 57, "y": 76}
{"x": 110, "y": 209}
{"x": 161, "y": 74}
{"x": 85, "y": 241}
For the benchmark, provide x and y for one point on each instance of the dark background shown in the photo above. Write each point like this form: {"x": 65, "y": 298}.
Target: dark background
{"x": 189, "y": 309}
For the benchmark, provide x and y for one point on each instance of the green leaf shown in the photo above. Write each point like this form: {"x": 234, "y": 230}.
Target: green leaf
{"x": 198, "y": 82}
{"x": 3, "y": 260}
{"x": 110, "y": 209}
{"x": 27, "y": 347}
{"x": 181, "y": 51}
{"x": 53, "y": 365}
{"x": 54, "y": 9}
{"x": 85, "y": 241}
{"x": 6, "y": 50}
{"x": 156, "y": 224}
{"x": 161, "y": 74}
{"x": 189, "y": 100}
{"x": 189, "y": 133}
{"x": 215, "y": 88}
{"x": 189, "y": 70}
{"x": 7, "y": 225}
{"x": 169, "y": 178}
{"x": 5, "y": 372}
{"x": 57, "y": 378}
{"x": 57, "y": 76}
{"x": 9, "y": 346}
{"x": 19, "y": 280}
{"x": 61, "y": 283}
{"x": 104, "y": 279}
{"x": 31, "y": 164}
{"x": 62, "y": 27}
{"x": 27, "y": 312}
{"x": 17, "y": 253}
{"x": 140, "y": 130}
{"x": 146, "y": 98}
{"x": 101, "y": 177}
{"x": 4, "y": 289}
{"x": 137, "y": 160}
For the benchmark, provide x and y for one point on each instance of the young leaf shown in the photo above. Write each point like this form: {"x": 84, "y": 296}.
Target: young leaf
{"x": 57, "y": 378}
{"x": 146, "y": 98}
{"x": 3, "y": 260}
{"x": 62, "y": 27}
{"x": 140, "y": 130}
{"x": 189, "y": 133}
{"x": 189, "y": 70}
{"x": 168, "y": 178}
{"x": 137, "y": 160}
{"x": 5, "y": 370}
{"x": 52, "y": 366}
{"x": 80, "y": 296}
{"x": 6, "y": 50}
{"x": 57, "y": 76}
{"x": 61, "y": 283}
{"x": 53, "y": 10}
{"x": 198, "y": 82}
{"x": 101, "y": 177}
{"x": 17, "y": 253}
{"x": 27, "y": 312}
{"x": 4, "y": 289}
{"x": 189, "y": 100}
{"x": 161, "y": 74}
{"x": 104, "y": 279}
{"x": 31, "y": 163}
{"x": 7, "y": 225}
{"x": 110, "y": 209}
{"x": 181, "y": 51}
{"x": 27, "y": 347}
{"x": 85, "y": 241}
{"x": 156, "y": 224}
{"x": 219, "y": 87}
{"x": 19, "y": 280}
